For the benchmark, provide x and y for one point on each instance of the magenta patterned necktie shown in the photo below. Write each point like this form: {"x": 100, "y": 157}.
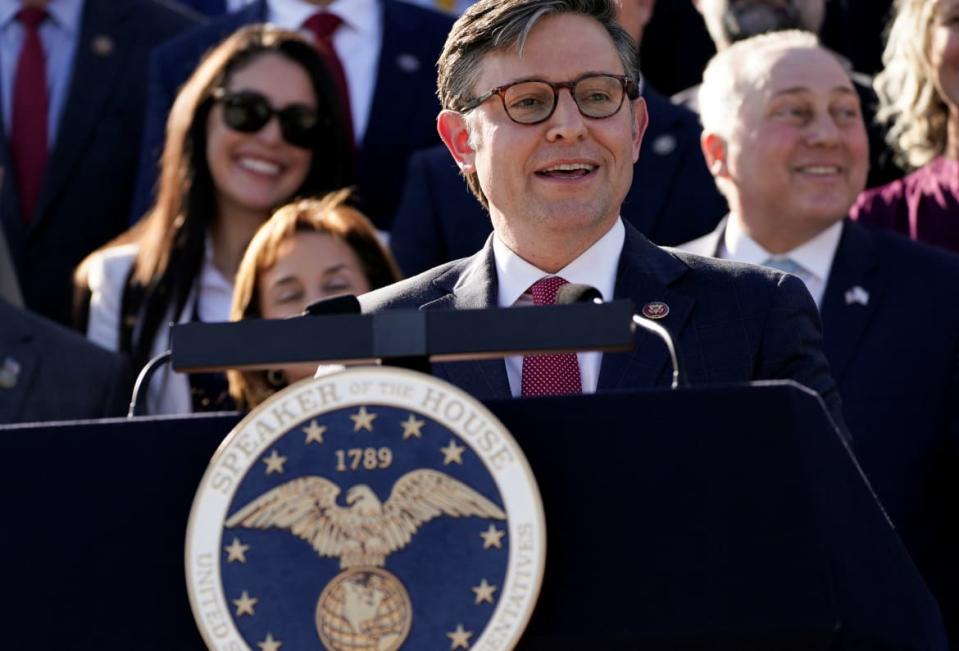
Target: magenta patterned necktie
{"x": 550, "y": 375}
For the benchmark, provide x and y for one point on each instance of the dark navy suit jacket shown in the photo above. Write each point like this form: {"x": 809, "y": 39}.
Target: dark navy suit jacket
{"x": 673, "y": 197}
{"x": 206, "y": 7}
{"x": 402, "y": 114}
{"x": 896, "y": 361}
{"x": 56, "y": 373}
{"x": 88, "y": 184}
{"x": 732, "y": 322}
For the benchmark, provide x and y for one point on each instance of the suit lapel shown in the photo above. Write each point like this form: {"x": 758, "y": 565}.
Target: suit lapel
{"x": 98, "y": 57}
{"x": 855, "y": 265}
{"x": 210, "y": 7}
{"x": 644, "y": 275}
{"x": 18, "y": 359}
{"x": 474, "y": 288}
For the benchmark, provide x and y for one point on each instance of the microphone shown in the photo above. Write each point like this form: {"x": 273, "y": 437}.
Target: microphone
{"x": 143, "y": 379}
{"x": 342, "y": 304}
{"x": 579, "y": 293}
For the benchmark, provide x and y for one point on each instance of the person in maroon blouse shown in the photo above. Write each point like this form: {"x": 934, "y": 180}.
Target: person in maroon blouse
{"x": 919, "y": 99}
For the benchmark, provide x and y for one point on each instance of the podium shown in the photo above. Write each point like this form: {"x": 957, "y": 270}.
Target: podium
{"x": 726, "y": 517}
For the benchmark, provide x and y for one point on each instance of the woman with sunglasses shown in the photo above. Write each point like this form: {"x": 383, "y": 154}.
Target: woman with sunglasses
{"x": 310, "y": 249}
{"x": 257, "y": 124}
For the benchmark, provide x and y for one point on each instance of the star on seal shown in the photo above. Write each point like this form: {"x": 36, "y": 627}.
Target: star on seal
{"x": 363, "y": 420}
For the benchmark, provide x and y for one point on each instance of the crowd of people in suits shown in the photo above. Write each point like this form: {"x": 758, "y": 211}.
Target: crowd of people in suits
{"x": 229, "y": 159}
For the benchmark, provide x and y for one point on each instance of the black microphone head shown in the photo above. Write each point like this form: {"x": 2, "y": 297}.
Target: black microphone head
{"x": 343, "y": 304}
{"x": 577, "y": 293}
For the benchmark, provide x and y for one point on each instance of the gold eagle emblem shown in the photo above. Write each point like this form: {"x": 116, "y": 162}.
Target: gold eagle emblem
{"x": 364, "y": 532}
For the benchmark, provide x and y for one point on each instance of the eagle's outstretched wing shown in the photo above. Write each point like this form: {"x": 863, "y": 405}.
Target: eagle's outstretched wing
{"x": 306, "y": 507}
{"x": 420, "y": 496}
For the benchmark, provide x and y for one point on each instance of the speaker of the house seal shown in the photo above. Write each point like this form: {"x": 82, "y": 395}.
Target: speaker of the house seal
{"x": 373, "y": 508}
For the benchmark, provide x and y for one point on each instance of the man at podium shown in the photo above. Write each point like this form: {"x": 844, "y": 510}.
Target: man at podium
{"x": 544, "y": 118}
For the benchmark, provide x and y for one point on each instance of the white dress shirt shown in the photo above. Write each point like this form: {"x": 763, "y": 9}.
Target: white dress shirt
{"x": 815, "y": 255}
{"x": 595, "y": 267}
{"x": 357, "y": 42}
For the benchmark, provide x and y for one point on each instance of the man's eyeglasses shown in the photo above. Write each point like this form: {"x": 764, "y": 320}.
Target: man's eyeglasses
{"x": 531, "y": 102}
{"x": 248, "y": 111}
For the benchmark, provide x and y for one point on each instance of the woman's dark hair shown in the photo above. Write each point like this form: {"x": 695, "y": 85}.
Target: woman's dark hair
{"x": 171, "y": 236}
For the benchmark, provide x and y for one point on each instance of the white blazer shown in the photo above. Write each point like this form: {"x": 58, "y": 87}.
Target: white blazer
{"x": 169, "y": 392}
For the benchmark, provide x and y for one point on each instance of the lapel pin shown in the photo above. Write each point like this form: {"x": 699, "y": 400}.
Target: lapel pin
{"x": 9, "y": 373}
{"x": 665, "y": 144}
{"x": 102, "y": 45}
{"x": 857, "y": 295}
{"x": 408, "y": 63}
{"x": 655, "y": 310}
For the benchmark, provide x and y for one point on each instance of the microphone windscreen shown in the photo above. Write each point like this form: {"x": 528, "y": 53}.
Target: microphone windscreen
{"x": 577, "y": 293}
{"x": 344, "y": 304}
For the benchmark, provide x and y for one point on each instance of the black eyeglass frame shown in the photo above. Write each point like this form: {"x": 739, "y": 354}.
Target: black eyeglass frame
{"x": 288, "y": 127}
{"x": 631, "y": 89}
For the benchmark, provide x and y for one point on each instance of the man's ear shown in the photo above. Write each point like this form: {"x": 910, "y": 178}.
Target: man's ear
{"x": 715, "y": 152}
{"x": 454, "y": 131}
{"x": 645, "y": 8}
{"x": 641, "y": 116}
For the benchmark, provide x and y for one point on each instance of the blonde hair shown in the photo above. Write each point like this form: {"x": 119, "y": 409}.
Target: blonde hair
{"x": 909, "y": 101}
{"x": 330, "y": 215}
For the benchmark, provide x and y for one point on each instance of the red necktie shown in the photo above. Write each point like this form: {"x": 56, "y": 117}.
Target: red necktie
{"x": 323, "y": 25}
{"x": 28, "y": 137}
{"x": 550, "y": 375}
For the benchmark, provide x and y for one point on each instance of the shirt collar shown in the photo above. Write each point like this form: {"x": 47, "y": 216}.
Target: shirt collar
{"x": 596, "y": 267}
{"x": 8, "y": 9}
{"x": 65, "y": 13}
{"x": 814, "y": 255}
{"x": 360, "y": 15}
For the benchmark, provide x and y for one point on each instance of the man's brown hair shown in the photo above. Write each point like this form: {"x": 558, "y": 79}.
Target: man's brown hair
{"x": 493, "y": 25}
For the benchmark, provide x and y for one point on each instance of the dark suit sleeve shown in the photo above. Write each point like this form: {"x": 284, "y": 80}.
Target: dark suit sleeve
{"x": 946, "y": 583}
{"x": 64, "y": 376}
{"x": 416, "y": 238}
{"x": 791, "y": 348}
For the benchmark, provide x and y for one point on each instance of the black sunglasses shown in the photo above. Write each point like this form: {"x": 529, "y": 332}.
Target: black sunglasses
{"x": 248, "y": 111}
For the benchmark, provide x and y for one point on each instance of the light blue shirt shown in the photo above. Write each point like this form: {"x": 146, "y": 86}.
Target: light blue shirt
{"x": 814, "y": 257}
{"x": 59, "y": 35}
